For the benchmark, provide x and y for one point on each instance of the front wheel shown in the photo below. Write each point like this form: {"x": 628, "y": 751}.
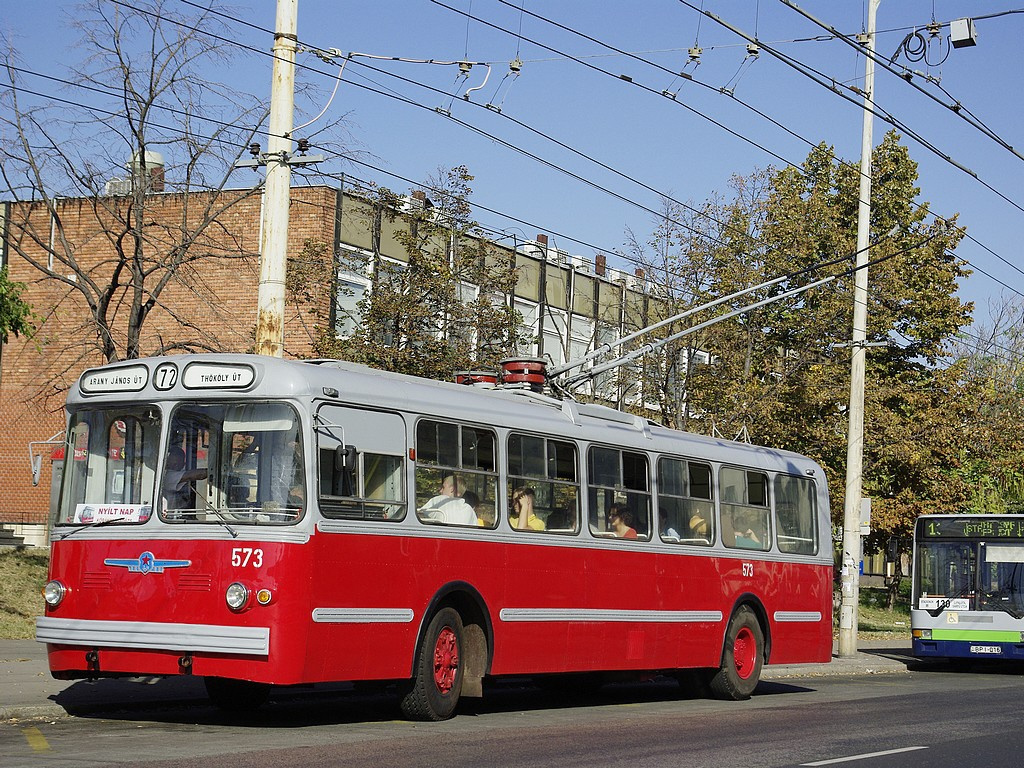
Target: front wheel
{"x": 437, "y": 682}
{"x": 742, "y": 658}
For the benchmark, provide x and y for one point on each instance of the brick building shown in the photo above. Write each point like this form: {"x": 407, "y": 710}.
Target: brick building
{"x": 568, "y": 303}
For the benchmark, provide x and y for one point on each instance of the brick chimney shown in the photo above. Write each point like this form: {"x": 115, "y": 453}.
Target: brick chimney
{"x": 600, "y": 263}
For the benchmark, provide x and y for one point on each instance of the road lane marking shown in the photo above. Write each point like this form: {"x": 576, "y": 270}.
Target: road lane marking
{"x": 865, "y": 756}
{"x": 35, "y": 739}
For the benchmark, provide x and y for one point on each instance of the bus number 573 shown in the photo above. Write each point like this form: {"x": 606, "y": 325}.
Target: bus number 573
{"x": 242, "y": 557}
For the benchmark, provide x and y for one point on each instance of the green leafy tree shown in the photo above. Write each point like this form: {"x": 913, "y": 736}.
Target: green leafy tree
{"x": 15, "y": 314}
{"x": 780, "y": 373}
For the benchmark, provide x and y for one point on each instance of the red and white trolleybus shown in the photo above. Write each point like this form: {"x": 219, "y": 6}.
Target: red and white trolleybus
{"x": 262, "y": 522}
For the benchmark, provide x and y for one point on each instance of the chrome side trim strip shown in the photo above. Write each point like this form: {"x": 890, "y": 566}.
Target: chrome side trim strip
{"x": 608, "y": 615}
{"x": 362, "y": 615}
{"x": 809, "y": 616}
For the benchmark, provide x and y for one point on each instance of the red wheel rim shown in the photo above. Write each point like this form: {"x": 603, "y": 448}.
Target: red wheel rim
{"x": 744, "y": 653}
{"x": 446, "y": 660}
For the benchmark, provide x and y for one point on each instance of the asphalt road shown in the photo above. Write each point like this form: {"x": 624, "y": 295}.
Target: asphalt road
{"x": 878, "y": 709}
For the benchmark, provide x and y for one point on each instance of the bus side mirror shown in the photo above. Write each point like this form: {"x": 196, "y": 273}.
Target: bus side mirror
{"x": 345, "y": 457}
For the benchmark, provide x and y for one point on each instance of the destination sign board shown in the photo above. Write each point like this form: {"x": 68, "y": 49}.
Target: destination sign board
{"x": 218, "y": 376}
{"x": 971, "y": 527}
{"x": 128, "y": 378}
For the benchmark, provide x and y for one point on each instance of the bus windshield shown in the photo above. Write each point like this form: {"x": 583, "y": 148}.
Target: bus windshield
{"x": 971, "y": 575}
{"x": 110, "y": 470}
{"x": 233, "y": 463}
{"x": 946, "y": 575}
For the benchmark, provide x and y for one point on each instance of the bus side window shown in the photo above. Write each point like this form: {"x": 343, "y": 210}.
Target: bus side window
{"x": 619, "y": 478}
{"x": 546, "y": 471}
{"x": 456, "y": 474}
{"x": 796, "y": 519}
{"x": 685, "y": 509}
{"x": 360, "y": 466}
{"x": 744, "y": 507}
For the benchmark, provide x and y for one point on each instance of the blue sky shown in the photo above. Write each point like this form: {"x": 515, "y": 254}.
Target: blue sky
{"x": 670, "y": 145}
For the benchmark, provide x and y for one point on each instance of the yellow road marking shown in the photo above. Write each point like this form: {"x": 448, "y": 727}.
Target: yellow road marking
{"x": 35, "y": 739}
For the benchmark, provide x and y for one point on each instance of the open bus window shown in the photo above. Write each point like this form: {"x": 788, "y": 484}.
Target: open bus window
{"x": 360, "y": 464}
{"x": 686, "y": 511}
{"x": 456, "y": 476}
{"x": 547, "y": 472}
{"x": 110, "y": 472}
{"x": 236, "y": 463}
{"x": 796, "y": 515}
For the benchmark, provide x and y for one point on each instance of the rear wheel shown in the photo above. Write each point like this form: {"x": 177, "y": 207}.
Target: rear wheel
{"x": 236, "y": 695}
{"x": 742, "y": 658}
{"x": 437, "y": 682}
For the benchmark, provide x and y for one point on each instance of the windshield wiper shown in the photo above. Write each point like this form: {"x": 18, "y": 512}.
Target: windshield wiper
{"x": 220, "y": 518}
{"x": 97, "y": 524}
{"x": 944, "y": 604}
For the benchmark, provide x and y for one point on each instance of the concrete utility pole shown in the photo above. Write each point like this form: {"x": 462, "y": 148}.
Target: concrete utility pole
{"x": 277, "y": 192}
{"x": 855, "y": 437}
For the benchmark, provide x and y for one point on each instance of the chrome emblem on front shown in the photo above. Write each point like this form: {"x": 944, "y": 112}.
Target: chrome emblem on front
{"x": 146, "y": 563}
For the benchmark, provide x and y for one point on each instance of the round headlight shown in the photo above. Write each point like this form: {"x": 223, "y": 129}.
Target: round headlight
{"x": 53, "y": 593}
{"x": 237, "y": 596}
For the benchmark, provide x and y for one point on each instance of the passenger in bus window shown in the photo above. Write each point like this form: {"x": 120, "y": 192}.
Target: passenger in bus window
{"x": 698, "y": 527}
{"x": 448, "y": 506}
{"x": 521, "y": 515}
{"x": 620, "y": 521}
{"x": 177, "y": 480}
{"x": 746, "y": 537}
{"x": 474, "y": 503}
{"x": 667, "y": 531}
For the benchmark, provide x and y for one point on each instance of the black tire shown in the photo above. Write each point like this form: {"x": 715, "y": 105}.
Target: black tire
{"x": 236, "y": 695}
{"x": 742, "y": 658}
{"x": 437, "y": 680}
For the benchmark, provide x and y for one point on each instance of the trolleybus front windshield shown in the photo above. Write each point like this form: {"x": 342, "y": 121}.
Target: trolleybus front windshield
{"x": 110, "y": 466}
{"x": 233, "y": 463}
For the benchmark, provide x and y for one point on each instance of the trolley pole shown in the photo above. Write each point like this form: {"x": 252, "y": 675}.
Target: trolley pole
{"x": 277, "y": 191}
{"x": 855, "y": 437}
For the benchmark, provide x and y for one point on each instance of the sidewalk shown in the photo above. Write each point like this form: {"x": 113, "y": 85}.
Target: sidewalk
{"x": 874, "y": 657}
{"x": 27, "y": 691}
